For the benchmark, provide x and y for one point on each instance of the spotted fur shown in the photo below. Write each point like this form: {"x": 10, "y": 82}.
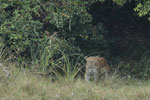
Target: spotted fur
{"x": 95, "y": 66}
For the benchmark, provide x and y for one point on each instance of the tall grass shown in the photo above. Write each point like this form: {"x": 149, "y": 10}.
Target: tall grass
{"x": 67, "y": 68}
{"x": 138, "y": 69}
{"x": 3, "y": 52}
{"x": 56, "y": 58}
{"x": 144, "y": 65}
{"x": 4, "y": 73}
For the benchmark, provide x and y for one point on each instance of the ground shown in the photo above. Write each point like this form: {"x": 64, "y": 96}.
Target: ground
{"x": 22, "y": 85}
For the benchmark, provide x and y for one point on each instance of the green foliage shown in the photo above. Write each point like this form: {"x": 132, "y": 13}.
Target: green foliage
{"x": 43, "y": 34}
{"x": 143, "y": 8}
{"x": 44, "y": 58}
{"x": 24, "y": 23}
{"x": 4, "y": 53}
{"x": 19, "y": 30}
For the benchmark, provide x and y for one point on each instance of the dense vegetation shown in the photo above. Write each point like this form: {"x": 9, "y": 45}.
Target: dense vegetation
{"x": 52, "y": 37}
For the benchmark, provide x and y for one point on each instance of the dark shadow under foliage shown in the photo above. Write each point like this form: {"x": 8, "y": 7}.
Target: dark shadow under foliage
{"x": 128, "y": 34}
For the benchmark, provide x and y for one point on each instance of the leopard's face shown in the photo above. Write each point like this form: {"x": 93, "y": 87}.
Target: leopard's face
{"x": 91, "y": 63}
{"x": 96, "y": 62}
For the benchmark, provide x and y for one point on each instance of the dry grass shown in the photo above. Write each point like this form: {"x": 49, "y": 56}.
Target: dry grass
{"x": 23, "y": 86}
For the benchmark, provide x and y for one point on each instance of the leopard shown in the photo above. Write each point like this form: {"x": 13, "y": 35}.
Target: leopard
{"x": 95, "y": 67}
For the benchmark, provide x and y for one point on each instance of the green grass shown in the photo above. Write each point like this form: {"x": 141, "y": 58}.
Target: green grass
{"x": 22, "y": 85}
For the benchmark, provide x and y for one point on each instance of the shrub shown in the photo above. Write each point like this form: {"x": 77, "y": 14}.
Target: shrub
{"x": 138, "y": 69}
{"x": 53, "y": 54}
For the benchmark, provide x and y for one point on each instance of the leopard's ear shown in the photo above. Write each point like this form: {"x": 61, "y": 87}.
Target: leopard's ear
{"x": 86, "y": 57}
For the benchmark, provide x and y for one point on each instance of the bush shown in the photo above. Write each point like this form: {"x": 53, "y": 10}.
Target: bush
{"x": 25, "y": 23}
{"x": 53, "y": 54}
{"x": 82, "y": 26}
{"x": 138, "y": 69}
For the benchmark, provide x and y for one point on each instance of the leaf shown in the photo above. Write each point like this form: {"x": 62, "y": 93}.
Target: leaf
{"x": 3, "y": 6}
